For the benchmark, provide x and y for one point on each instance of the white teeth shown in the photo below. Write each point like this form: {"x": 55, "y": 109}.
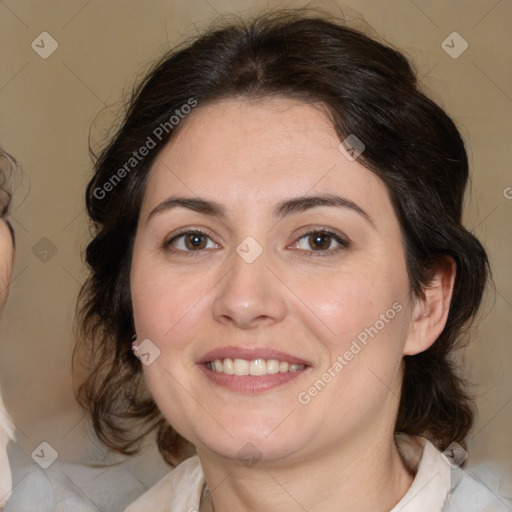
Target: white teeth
{"x": 256, "y": 367}
{"x": 272, "y": 366}
{"x": 228, "y": 368}
{"x": 241, "y": 366}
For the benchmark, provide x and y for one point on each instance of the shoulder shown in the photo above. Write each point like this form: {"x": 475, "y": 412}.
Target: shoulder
{"x": 480, "y": 489}
{"x": 179, "y": 490}
{"x": 440, "y": 484}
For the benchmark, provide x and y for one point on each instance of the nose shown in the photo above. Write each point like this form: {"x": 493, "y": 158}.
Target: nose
{"x": 250, "y": 296}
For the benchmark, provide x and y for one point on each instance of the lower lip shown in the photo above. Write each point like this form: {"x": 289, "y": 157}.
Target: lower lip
{"x": 250, "y": 383}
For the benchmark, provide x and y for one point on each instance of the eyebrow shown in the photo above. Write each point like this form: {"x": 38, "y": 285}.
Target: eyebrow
{"x": 288, "y": 207}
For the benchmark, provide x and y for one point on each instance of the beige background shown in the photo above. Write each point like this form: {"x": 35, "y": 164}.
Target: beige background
{"x": 47, "y": 107}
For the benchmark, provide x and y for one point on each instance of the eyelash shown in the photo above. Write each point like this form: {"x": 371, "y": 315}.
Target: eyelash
{"x": 343, "y": 242}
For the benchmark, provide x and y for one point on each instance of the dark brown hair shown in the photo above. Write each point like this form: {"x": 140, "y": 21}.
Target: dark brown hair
{"x": 369, "y": 90}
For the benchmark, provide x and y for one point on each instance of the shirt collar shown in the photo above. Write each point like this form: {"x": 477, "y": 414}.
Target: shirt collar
{"x": 432, "y": 482}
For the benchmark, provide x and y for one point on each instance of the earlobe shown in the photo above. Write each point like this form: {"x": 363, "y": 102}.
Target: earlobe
{"x": 431, "y": 312}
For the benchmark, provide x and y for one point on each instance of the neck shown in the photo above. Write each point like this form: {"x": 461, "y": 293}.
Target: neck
{"x": 362, "y": 475}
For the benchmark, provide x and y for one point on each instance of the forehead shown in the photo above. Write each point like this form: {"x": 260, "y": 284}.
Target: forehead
{"x": 258, "y": 153}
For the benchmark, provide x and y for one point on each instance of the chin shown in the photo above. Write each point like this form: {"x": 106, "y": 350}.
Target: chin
{"x": 250, "y": 447}
{"x": 6, "y": 435}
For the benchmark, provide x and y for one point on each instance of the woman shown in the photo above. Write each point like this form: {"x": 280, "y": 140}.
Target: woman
{"x": 6, "y": 265}
{"x": 279, "y": 261}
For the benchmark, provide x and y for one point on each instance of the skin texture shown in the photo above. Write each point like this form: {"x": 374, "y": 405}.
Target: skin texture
{"x": 6, "y": 261}
{"x": 337, "y": 452}
{"x": 6, "y": 428}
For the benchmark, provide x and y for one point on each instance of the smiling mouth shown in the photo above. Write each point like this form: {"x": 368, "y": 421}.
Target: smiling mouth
{"x": 254, "y": 367}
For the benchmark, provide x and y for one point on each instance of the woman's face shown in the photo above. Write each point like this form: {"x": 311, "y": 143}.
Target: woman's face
{"x": 259, "y": 240}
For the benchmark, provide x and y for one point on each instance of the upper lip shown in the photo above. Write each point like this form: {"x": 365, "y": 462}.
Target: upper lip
{"x": 250, "y": 354}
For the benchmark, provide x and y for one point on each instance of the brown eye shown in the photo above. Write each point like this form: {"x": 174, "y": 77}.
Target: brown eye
{"x": 195, "y": 241}
{"x": 192, "y": 241}
{"x": 319, "y": 241}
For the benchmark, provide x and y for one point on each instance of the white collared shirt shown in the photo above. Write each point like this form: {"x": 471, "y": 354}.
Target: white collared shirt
{"x": 437, "y": 486}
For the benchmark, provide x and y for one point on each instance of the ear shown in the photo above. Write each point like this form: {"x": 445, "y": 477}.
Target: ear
{"x": 431, "y": 312}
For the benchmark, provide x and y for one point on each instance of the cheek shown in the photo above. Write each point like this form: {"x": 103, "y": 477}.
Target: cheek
{"x": 163, "y": 302}
{"x": 362, "y": 317}
{"x": 170, "y": 309}
{"x": 354, "y": 301}
{"x": 166, "y": 310}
